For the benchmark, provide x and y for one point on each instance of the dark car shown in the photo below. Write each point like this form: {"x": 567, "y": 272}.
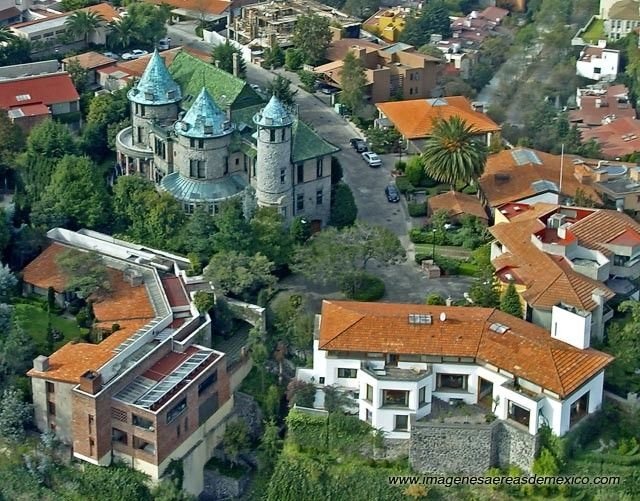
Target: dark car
{"x": 392, "y": 194}
{"x": 358, "y": 144}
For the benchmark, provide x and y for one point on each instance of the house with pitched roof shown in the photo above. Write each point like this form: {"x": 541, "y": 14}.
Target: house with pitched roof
{"x": 398, "y": 360}
{"x": 29, "y": 100}
{"x": 205, "y": 136}
{"x": 570, "y": 258}
{"x": 152, "y": 390}
{"x": 391, "y": 71}
{"x": 415, "y": 118}
{"x": 457, "y": 205}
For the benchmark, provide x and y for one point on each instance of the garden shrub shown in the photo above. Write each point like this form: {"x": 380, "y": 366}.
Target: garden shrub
{"x": 417, "y": 236}
{"x": 448, "y": 265}
{"x": 371, "y": 288}
{"x": 417, "y": 209}
{"x": 404, "y": 185}
{"x": 400, "y": 166}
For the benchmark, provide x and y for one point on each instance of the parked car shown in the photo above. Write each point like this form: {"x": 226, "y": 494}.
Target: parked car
{"x": 358, "y": 144}
{"x": 112, "y": 55}
{"x": 372, "y": 159}
{"x": 134, "y": 54}
{"x": 393, "y": 195}
{"x": 328, "y": 90}
{"x": 164, "y": 43}
{"x": 451, "y": 226}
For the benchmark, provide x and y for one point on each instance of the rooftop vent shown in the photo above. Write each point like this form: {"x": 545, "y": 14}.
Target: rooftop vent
{"x": 418, "y": 318}
{"x": 499, "y": 328}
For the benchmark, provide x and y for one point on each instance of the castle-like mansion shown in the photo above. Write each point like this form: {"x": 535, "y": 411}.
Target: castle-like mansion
{"x": 205, "y": 154}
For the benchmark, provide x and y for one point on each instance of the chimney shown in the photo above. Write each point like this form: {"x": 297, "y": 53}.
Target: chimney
{"x": 598, "y": 297}
{"x": 41, "y": 363}
{"x": 236, "y": 64}
{"x": 91, "y": 382}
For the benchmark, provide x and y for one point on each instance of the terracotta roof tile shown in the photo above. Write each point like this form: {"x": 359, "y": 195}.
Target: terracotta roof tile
{"x": 526, "y": 350}
{"x": 504, "y": 180}
{"x": 457, "y": 204}
{"x": 414, "y": 118}
{"x": 136, "y": 67}
{"x": 605, "y": 226}
{"x": 48, "y": 89}
{"x": 90, "y": 60}
{"x": 127, "y": 306}
{"x": 549, "y": 280}
{"x": 618, "y": 138}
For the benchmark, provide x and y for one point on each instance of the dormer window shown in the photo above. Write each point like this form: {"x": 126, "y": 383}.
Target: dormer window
{"x": 208, "y": 129}
{"x": 148, "y": 96}
{"x": 171, "y": 94}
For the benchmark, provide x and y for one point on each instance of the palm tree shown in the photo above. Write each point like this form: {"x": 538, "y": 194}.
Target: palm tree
{"x": 123, "y": 32}
{"x": 83, "y": 23}
{"x": 6, "y": 35}
{"x": 453, "y": 154}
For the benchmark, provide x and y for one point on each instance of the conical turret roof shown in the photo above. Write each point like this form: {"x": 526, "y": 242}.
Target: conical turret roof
{"x": 204, "y": 119}
{"x": 156, "y": 85}
{"x": 274, "y": 114}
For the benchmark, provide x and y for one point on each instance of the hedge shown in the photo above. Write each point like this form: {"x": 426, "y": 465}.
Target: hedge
{"x": 404, "y": 185}
{"x": 417, "y": 209}
{"x": 417, "y": 236}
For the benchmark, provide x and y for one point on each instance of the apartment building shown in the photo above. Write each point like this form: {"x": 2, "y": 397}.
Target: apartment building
{"x": 395, "y": 360}
{"x": 394, "y": 71}
{"x": 152, "y": 390}
{"x": 575, "y": 257}
{"x": 621, "y": 17}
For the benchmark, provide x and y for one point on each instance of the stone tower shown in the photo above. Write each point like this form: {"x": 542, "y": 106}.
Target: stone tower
{"x": 154, "y": 98}
{"x": 274, "y": 180}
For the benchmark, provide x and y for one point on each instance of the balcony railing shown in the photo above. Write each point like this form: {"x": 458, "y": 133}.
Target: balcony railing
{"x": 392, "y": 373}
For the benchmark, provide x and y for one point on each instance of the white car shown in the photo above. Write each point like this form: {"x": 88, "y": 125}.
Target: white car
{"x": 112, "y": 55}
{"x": 372, "y": 159}
{"x": 134, "y": 54}
{"x": 164, "y": 43}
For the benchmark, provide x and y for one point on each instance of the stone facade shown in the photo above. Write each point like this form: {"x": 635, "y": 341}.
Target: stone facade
{"x": 438, "y": 448}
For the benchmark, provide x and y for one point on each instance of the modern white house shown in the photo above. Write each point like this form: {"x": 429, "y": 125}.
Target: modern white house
{"x": 396, "y": 359}
{"x": 596, "y": 62}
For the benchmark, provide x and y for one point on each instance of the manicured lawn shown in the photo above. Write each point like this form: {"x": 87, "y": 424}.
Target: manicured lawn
{"x": 34, "y": 320}
{"x": 595, "y": 32}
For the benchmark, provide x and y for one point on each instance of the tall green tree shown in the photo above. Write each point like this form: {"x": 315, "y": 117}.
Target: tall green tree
{"x": 361, "y": 8}
{"x": 6, "y": 35}
{"x": 342, "y": 256}
{"x": 83, "y": 24}
{"x": 273, "y": 57}
{"x": 352, "y": 81}
{"x": 158, "y": 222}
{"x": 76, "y": 196}
{"x": 343, "y": 206}
{"x": 47, "y": 143}
{"x": 222, "y": 56}
{"x": 85, "y": 272}
{"x": 149, "y": 21}
{"x": 624, "y": 344}
{"x": 484, "y": 290}
{"x": 78, "y": 75}
{"x": 235, "y": 440}
{"x": 453, "y": 154}
{"x": 15, "y": 51}
{"x": 15, "y": 413}
{"x": 281, "y": 88}
{"x": 197, "y": 235}
{"x": 122, "y": 32}
{"x": 233, "y": 230}
{"x": 432, "y": 19}
{"x": 510, "y": 301}
{"x": 129, "y": 196}
{"x": 271, "y": 237}
{"x": 240, "y": 275}
{"x": 17, "y": 351}
{"x": 311, "y": 35}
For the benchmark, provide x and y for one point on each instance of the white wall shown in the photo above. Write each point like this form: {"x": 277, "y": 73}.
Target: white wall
{"x": 607, "y": 65}
{"x": 571, "y": 328}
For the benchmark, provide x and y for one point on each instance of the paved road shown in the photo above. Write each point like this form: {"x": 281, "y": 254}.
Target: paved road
{"x": 404, "y": 282}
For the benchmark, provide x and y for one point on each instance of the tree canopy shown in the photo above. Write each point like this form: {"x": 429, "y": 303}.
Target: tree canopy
{"x": 281, "y": 88}
{"x": 82, "y": 24}
{"x": 432, "y": 19}
{"x": 222, "y": 56}
{"x": 311, "y": 36}
{"x": 352, "y": 82}
{"x": 341, "y": 256}
{"x": 510, "y": 301}
{"x": 453, "y": 154}
{"x": 343, "y": 206}
{"x": 238, "y": 274}
{"x": 85, "y": 273}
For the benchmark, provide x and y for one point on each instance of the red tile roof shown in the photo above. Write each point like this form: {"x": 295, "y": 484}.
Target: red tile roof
{"x": 46, "y": 89}
{"x": 102, "y": 9}
{"x": 127, "y": 306}
{"x": 457, "y": 204}
{"x": 90, "y": 60}
{"x": 611, "y": 104}
{"x": 33, "y": 110}
{"x": 526, "y": 350}
{"x": 618, "y": 138}
{"x": 414, "y": 119}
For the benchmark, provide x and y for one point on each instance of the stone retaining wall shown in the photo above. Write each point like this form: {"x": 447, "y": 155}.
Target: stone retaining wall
{"x": 447, "y": 448}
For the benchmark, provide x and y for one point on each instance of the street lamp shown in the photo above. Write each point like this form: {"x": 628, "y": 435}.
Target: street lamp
{"x": 433, "y": 243}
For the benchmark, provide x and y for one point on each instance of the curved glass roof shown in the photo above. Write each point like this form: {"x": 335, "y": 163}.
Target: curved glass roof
{"x": 191, "y": 190}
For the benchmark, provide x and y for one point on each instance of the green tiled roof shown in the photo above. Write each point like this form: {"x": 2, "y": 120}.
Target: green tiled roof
{"x": 228, "y": 92}
{"x": 306, "y": 142}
